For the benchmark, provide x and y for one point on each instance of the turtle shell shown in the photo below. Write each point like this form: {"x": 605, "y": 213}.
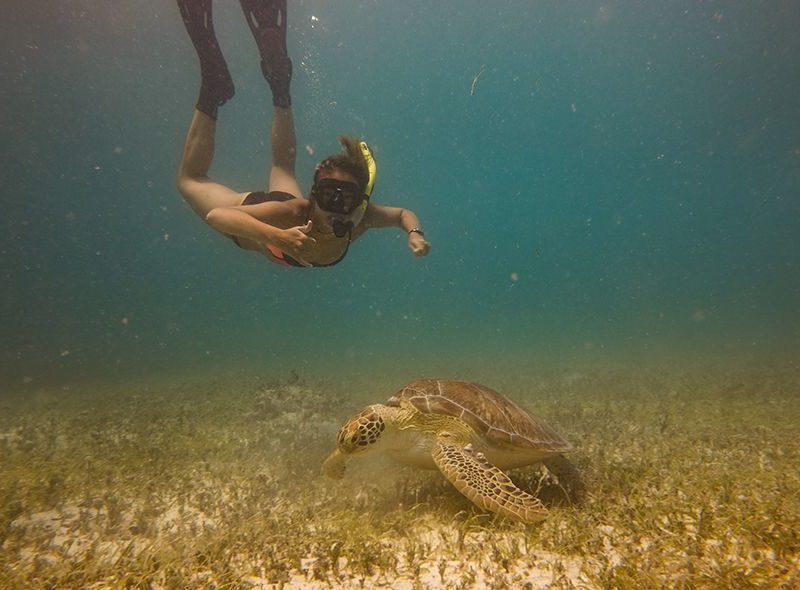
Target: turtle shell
{"x": 500, "y": 421}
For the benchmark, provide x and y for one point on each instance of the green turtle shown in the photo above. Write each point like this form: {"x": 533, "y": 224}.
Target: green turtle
{"x": 470, "y": 433}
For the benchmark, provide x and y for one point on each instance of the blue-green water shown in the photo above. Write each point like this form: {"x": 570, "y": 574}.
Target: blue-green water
{"x": 623, "y": 182}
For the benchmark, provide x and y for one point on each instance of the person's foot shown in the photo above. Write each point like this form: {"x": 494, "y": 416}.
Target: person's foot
{"x": 267, "y": 21}
{"x": 216, "y": 85}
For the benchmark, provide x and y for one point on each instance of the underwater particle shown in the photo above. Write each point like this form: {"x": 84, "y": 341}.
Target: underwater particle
{"x": 65, "y": 352}
{"x": 514, "y": 277}
{"x": 309, "y": 149}
{"x": 698, "y": 315}
{"x": 475, "y": 80}
{"x": 118, "y": 150}
{"x": 27, "y": 380}
{"x": 125, "y": 321}
{"x": 166, "y": 237}
{"x": 573, "y": 108}
{"x": 603, "y": 14}
{"x": 362, "y": 500}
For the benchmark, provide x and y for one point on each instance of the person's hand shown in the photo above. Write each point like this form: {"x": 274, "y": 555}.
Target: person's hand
{"x": 296, "y": 242}
{"x": 418, "y": 245}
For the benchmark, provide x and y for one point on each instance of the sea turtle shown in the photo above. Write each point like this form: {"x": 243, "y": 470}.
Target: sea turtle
{"x": 469, "y": 432}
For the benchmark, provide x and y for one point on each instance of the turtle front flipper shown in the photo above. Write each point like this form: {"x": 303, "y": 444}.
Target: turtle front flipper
{"x": 334, "y": 465}
{"x": 483, "y": 483}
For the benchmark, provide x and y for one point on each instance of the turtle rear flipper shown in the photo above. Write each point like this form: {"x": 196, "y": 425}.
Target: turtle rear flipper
{"x": 483, "y": 483}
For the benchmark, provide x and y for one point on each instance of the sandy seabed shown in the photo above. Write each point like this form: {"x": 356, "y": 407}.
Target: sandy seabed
{"x": 213, "y": 482}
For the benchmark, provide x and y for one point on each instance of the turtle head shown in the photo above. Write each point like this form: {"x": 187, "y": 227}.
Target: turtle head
{"x": 362, "y": 432}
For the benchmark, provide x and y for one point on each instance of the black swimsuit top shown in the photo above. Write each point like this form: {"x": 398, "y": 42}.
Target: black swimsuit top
{"x": 262, "y": 197}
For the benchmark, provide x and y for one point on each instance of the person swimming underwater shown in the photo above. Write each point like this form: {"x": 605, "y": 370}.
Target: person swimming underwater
{"x": 281, "y": 224}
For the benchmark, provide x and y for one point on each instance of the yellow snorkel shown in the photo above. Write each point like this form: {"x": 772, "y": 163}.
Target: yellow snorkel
{"x": 371, "y": 166}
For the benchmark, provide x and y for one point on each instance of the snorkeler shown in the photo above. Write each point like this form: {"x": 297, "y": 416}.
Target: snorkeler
{"x": 281, "y": 224}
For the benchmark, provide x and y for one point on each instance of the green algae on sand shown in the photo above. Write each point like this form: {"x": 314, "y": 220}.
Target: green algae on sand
{"x": 190, "y": 483}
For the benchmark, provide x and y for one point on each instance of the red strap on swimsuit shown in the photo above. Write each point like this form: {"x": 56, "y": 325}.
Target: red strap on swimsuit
{"x": 279, "y": 255}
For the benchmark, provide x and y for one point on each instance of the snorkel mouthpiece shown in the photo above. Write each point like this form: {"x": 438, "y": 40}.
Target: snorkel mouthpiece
{"x": 342, "y": 228}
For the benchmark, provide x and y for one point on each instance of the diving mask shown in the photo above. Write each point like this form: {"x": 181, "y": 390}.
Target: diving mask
{"x": 343, "y": 200}
{"x": 337, "y": 196}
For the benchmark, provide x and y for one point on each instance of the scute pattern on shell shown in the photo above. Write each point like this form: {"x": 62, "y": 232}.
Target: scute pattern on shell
{"x": 498, "y": 419}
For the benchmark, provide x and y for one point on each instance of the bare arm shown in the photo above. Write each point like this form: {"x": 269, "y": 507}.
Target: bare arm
{"x": 262, "y": 224}
{"x": 381, "y": 216}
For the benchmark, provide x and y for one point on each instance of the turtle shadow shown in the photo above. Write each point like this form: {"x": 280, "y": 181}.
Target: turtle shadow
{"x": 558, "y": 487}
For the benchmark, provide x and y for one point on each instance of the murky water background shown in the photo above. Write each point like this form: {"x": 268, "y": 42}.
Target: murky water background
{"x": 622, "y": 181}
